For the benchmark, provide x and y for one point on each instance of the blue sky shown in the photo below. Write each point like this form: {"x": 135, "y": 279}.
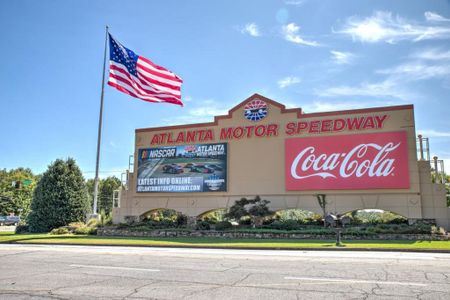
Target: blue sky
{"x": 318, "y": 55}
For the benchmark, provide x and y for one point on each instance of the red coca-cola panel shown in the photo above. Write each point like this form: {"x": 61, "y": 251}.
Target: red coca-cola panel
{"x": 357, "y": 161}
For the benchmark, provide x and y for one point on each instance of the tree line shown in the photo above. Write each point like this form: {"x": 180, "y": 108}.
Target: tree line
{"x": 55, "y": 198}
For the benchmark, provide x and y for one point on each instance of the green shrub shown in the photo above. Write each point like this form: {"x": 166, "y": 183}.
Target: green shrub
{"x": 214, "y": 216}
{"x": 60, "y": 197}
{"x": 224, "y": 225}
{"x": 375, "y": 217}
{"x": 181, "y": 220}
{"x": 93, "y": 223}
{"x": 392, "y": 229}
{"x": 75, "y": 225}
{"x": 437, "y": 230}
{"x": 284, "y": 225}
{"x": 245, "y": 221}
{"x": 174, "y": 221}
{"x": 85, "y": 230}
{"x": 75, "y": 228}
{"x": 395, "y": 228}
{"x": 21, "y": 228}
{"x": 202, "y": 225}
{"x": 423, "y": 228}
{"x": 60, "y": 230}
{"x": 130, "y": 220}
{"x": 104, "y": 218}
{"x": 316, "y": 219}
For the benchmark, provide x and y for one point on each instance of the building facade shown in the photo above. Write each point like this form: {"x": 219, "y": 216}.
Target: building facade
{"x": 359, "y": 159}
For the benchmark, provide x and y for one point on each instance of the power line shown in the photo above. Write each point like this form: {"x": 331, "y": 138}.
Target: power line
{"x": 112, "y": 171}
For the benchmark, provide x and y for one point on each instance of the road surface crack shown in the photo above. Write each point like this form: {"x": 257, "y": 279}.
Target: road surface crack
{"x": 241, "y": 280}
{"x": 136, "y": 290}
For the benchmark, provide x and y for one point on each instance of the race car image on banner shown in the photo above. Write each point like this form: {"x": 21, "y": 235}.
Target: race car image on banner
{"x": 186, "y": 168}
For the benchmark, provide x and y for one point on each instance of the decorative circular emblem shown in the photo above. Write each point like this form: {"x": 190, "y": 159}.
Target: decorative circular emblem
{"x": 255, "y": 110}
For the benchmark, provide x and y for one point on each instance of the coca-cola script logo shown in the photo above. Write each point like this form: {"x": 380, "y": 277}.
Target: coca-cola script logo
{"x": 365, "y": 161}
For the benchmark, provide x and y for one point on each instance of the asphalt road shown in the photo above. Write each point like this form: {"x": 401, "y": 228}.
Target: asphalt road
{"x": 82, "y": 272}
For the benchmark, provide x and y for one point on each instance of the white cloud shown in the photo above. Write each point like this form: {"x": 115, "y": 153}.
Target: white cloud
{"x": 321, "y": 106}
{"x": 205, "y": 112}
{"x": 386, "y": 88}
{"x": 295, "y": 2}
{"x": 424, "y": 65}
{"x": 342, "y": 58}
{"x": 251, "y": 29}
{"x": 433, "y": 133}
{"x": 434, "y": 17}
{"x": 384, "y": 27}
{"x": 417, "y": 71}
{"x": 432, "y": 54}
{"x": 290, "y": 33}
{"x": 287, "y": 81}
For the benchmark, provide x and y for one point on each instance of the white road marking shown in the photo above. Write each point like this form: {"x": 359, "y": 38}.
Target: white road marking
{"x": 354, "y": 281}
{"x": 367, "y": 256}
{"x": 114, "y": 268}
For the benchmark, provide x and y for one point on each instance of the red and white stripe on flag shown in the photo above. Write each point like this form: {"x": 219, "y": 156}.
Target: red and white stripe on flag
{"x": 139, "y": 77}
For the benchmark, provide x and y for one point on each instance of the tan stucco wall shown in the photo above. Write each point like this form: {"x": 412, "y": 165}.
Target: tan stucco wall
{"x": 434, "y": 203}
{"x": 256, "y": 166}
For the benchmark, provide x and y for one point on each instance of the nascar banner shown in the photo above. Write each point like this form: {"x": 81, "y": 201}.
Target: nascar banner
{"x": 186, "y": 168}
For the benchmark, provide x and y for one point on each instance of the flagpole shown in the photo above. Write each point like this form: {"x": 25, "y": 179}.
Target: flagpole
{"x": 100, "y": 120}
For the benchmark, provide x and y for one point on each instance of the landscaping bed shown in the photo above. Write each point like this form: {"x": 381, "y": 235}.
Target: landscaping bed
{"x": 314, "y": 233}
{"x": 223, "y": 243}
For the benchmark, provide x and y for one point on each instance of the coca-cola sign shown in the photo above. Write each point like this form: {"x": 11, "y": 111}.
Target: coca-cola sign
{"x": 360, "y": 161}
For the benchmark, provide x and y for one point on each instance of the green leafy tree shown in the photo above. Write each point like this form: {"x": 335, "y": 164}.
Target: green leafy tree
{"x": 238, "y": 210}
{"x": 90, "y": 189}
{"x": 60, "y": 197}
{"x": 255, "y": 209}
{"x": 16, "y": 198}
{"x": 259, "y": 210}
{"x": 106, "y": 188}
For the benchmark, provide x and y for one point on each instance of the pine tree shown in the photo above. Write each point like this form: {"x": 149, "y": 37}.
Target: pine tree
{"x": 59, "y": 198}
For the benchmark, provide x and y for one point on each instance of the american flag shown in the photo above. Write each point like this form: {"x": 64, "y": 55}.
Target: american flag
{"x": 139, "y": 77}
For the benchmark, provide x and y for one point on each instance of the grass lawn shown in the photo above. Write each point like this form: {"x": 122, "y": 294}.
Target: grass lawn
{"x": 10, "y": 237}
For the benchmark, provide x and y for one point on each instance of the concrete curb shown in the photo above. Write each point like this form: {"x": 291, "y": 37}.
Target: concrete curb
{"x": 244, "y": 248}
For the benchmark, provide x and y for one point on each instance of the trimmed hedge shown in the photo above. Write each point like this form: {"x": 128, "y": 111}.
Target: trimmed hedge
{"x": 224, "y": 225}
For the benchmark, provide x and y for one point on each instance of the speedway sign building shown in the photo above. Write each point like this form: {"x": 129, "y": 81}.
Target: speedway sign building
{"x": 364, "y": 158}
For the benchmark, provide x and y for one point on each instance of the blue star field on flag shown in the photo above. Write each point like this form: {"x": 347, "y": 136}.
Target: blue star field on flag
{"x": 122, "y": 55}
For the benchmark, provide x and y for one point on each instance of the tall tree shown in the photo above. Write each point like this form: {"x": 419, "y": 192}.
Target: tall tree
{"x": 106, "y": 188}
{"x": 16, "y": 191}
{"x": 59, "y": 198}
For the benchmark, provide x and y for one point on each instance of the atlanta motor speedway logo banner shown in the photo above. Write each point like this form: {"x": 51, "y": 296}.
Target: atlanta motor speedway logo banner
{"x": 186, "y": 168}
{"x": 360, "y": 161}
